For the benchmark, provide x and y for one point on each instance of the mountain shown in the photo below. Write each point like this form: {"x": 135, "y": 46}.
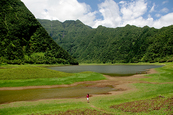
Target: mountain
{"x": 24, "y": 40}
{"x": 67, "y": 34}
{"x": 112, "y": 45}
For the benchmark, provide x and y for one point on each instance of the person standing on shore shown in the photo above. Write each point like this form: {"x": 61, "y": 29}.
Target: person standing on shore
{"x": 88, "y": 98}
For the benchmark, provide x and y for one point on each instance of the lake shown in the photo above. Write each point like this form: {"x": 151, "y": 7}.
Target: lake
{"x": 76, "y": 91}
{"x": 50, "y": 93}
{"x": 106, "y": 69}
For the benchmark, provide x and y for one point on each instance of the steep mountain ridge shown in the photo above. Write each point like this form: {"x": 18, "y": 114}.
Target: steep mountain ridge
{"x": 24, "y": 40}
{"x": 113, "y": 45}
{"x": 65, "y": 33}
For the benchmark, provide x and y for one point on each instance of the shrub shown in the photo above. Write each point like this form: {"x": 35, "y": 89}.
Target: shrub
{"x": 15, "y": 62}
{"x": 162, "y": 61}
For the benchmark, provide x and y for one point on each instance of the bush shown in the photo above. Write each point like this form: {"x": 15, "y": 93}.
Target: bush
{"x": 3, "y": 60}
{"x": 15, "y": 62}
{"x": 152, "y": 61}
{"x": 162, "y": 61}
{"x": 170, "y": 60}
{"x": 29, "y": 60}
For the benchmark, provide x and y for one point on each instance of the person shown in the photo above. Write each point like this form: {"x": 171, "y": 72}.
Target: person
{"x": 88, "y": 98}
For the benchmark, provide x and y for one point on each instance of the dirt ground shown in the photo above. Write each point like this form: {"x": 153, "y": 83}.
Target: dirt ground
{"x": 121, "y": 84}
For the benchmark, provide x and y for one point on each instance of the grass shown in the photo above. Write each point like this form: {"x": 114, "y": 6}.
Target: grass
{"x": 153, "y": 94}
{"x": 165, "y": 74}
{"x": 146, "y": 91}
{"x": 23, "y": 73}
{"x": 37, "y": 76}
{"x": 42, "y": 107}
{"x": 146, "y": 105}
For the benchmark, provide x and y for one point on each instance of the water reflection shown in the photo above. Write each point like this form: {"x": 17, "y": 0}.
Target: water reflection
{"x": 107, "y": 69}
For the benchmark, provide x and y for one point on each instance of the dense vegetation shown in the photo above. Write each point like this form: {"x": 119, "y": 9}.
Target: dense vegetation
{"x": 112, "y": 45}
{"x": 24, "y": 40}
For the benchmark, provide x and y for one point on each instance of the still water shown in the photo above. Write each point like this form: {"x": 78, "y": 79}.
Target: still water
{"x": 106, "y": 69}
{"x": 52, "y": 93}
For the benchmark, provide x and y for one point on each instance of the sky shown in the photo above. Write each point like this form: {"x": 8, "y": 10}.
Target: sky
{"x": 108, "y": 13}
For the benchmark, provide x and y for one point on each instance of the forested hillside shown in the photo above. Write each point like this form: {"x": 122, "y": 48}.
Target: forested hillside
{"x": 24, "y": 40}
{"x": 112, "y": 45}
{"x": 67, "y": 34}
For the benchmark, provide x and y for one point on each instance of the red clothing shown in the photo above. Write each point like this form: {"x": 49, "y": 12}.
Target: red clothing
{"x": 87, "y": 96}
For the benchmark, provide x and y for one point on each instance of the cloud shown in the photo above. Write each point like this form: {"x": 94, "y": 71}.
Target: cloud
{"x": 132, "y": 12}
{"x": 114, "y": 14}
{"x": 165, "y": 20}
{"x": 133, "y": 9}
{"x": 61, "y": 10}
{"x": 122, "y": 2}
{"x": 164, "y": 2}
{"x": 165, "y": 10}
{"x": 127, "y": 13}
{"x": 110, "y": 12}
{"x": 152, "y": 9}
{"x": 123, "y": 13}
{"x": 157, "y": 15}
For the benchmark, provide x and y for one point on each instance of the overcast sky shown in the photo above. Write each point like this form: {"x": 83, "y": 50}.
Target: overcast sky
{"x": 109, "y": 13}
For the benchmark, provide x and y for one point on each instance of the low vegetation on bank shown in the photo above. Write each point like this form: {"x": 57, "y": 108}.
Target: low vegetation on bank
{"x": 37, "y": 76}
{"x": 154, "y": 96}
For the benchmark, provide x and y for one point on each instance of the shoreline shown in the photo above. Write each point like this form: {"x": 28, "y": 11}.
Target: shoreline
{"x": 100, "y": 83}
{"x": 120, "y": 84}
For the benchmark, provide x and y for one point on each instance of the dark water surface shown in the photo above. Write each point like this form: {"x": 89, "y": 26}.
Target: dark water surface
{"x": 36, "y": 94}
{"x": 107, "y": 69}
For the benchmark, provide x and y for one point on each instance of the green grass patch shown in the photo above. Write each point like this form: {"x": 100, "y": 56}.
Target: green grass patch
{"x": 165, "y": 74}
{"x": 19, "y": 73}
{"x": 144, "y": 93}
{"x": 37, "y": 76}
{"x": 42, "y": 108}
{"x": 145, "y": 106}
{"x": 151, "y": 90}
{"x": 78, "y": 77}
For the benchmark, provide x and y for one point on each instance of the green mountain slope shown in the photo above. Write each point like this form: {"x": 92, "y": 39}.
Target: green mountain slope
{"x": 24, "y": 40}
{"x": 112, "y": 45}
{"x": 67, "y": 34}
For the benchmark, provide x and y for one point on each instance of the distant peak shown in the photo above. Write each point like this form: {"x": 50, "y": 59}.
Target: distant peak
{"x": 78, "y": 20}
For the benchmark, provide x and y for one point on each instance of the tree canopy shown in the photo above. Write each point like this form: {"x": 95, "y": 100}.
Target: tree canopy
{"x": 112, "y": 45}
{"x": 24, "y": 40}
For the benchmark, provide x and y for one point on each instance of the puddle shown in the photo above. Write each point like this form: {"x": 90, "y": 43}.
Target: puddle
{"x": 37, "y": 94}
